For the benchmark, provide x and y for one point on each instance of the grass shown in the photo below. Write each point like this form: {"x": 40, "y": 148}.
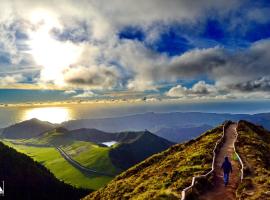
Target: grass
{"x": 91, "y": 156}
{"x": 253, "y": 145}
{"x": 163, "y": 175}
{"x": 87, "y": 154}
{"x": 51, "y": 159}
{"x": 28, "y": 179}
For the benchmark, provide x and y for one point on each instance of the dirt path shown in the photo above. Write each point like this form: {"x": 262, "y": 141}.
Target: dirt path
{"x": 219, "y": 191}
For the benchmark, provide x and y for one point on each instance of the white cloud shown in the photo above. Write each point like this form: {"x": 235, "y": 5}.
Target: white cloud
{"x": 105, "y": 62}
{"x": 85, "y": 94}
{"x": 199, "y": 89}
{"x": 11, "y": 79}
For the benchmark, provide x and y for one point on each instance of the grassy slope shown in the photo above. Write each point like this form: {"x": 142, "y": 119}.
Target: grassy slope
{"x": 88, "y": 154}
{"x": 51, "y": 158}
{"x": 163, "y": 175}
{"x": 26, "y": 179}
{"x": 253, "y": 146}
{"x": 91, "y": 156}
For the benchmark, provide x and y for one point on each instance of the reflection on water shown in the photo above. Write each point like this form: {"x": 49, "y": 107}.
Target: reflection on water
{"x": 59, "y": 113}
{"x": 50, "y": 114}
{"x": 108, "y": 144}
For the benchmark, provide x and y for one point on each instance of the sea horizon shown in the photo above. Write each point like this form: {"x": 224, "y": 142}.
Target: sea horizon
{"x": 58, "y": 113}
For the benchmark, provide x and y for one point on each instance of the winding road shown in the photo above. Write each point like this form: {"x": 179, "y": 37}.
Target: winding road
{"x": 79, "y": 166}
{"x": 219, "y": 191}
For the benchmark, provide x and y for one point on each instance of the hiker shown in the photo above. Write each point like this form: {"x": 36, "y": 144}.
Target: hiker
{"x": 227, "y": 168}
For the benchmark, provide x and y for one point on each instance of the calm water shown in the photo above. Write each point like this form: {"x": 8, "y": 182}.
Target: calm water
{"x": 58, "y": 114}
{"x": 109, "y": 144}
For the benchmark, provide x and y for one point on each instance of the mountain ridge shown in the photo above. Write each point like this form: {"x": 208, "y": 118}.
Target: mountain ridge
{"x": 163, "y": 175}
{"x": 166, "y": 174}
{"x": 27, "y": 129}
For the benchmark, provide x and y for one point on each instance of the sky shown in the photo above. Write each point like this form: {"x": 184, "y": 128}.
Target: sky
{"x": 124, "y": 49}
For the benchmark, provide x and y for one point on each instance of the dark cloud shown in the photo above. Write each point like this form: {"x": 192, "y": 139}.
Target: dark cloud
{"x": 258, "y": 85}
{"x": 92, "y": 77}
{"x": 197, "y": 62}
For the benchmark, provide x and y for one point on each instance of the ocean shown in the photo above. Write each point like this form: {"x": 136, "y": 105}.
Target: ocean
{"x": 60, "y": 113}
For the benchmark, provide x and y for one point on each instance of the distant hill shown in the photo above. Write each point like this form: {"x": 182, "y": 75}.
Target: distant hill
{"x": 164, "y": 123}
{"x": 180, "y": 134}
{"x": 27, "y": 179}
{"x": 133, "y": 150}
{"x": 131, "y": 147}
{"x": 91, "y": 135}
{"x": 27, "y": 129}
{"x": 163, "y": 175}
{"x": 152, "y": 121}
{"x": 156, "y": 121}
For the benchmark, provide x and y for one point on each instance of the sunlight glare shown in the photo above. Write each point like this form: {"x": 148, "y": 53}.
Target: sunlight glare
{"x": 50, "y": 114}
{"x": 51, "y": 54}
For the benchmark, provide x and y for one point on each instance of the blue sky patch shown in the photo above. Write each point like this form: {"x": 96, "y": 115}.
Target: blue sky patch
{"x": 132, "y": 33}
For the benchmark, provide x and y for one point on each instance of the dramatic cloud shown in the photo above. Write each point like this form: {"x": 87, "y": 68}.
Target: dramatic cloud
{"x": 96, "y": 77}
{"x": 137, "y": 46}
{"x": 262, "y": 84}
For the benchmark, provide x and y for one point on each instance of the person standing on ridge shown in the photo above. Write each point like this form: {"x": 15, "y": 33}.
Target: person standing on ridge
{"x": 227, "y": 169}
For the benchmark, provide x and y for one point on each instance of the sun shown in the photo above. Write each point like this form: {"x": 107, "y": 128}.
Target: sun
{"x": 51, "y": 54}
{"x": 50, "y": 114}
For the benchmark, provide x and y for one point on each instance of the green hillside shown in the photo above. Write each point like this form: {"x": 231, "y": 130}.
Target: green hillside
{"x": 26, "y": 179}
{"x": 254, "y": 148}
{"x": 91, "y": 156}
{"x": 135, "y": 149}
{"x": 52, "y": 160}
{"x": 109, "y": 161}
{"x": 163, "y": 175}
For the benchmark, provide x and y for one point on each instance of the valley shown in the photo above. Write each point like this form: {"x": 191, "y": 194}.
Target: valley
{"x": 88, "y": 163}
{"x": 137, "y": 163}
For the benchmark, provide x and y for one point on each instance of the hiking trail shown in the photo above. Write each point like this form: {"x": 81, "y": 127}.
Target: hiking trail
{"x": 219, "y": 191}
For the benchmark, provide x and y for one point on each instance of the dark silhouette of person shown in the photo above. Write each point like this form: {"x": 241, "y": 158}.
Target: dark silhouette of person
{"x": 227, "y": 169}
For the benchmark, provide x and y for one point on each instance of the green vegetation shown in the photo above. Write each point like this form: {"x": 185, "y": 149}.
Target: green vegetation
{"x": 82, "y": 146}
{"x": 51, "y": 159}
{"x": 51, "y": 138}
{"x": 26, "y": 179}
{"x": 91, "y": 156}
{"x": 163, "y": 175}
{"x": 135, "y": 149}
{"x": 253, "y": 145}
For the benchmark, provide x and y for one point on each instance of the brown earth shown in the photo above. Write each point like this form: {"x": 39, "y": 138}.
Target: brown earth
{"x": 219, "y": 191}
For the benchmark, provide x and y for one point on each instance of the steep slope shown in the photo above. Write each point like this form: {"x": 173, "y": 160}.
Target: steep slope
{"x": 181, "y": 134}
{"x": 163, "y": 175}
{"x": 27, "y": 129}
{"x": 26, "y": 179}
{"x": 253, "y": 145}
{"x": 133, "y": 150}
